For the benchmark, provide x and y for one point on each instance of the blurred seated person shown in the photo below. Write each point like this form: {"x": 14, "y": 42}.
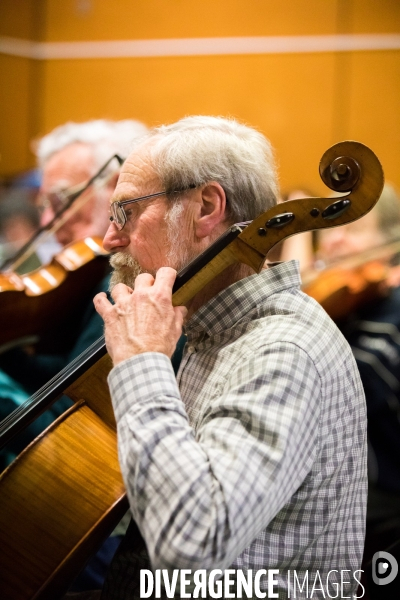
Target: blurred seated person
{"x": 19, "y": 221}
{"x": 374, "y": 335}
{"x": 68, "y": 156}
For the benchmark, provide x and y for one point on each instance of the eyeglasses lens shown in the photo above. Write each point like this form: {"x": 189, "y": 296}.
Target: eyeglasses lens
{"x": 118, "y": 215}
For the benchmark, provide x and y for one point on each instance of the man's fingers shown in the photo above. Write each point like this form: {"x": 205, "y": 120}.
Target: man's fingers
{"x": 182, "y": 311}
{"x": 165, "y": 278}
{"x": 121, "y": 291}
{"x": 144, "y": 280}
{"x": 102, "y": 304}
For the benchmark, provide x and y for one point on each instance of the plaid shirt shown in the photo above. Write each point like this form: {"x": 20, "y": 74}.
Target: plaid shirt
{"x": 258, "y": 459}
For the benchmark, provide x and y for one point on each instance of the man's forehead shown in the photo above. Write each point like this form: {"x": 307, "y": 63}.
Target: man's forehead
{"x": 137, "y": 176}
{"x": 67, "y": 167}
{"x": 74, "y": 157}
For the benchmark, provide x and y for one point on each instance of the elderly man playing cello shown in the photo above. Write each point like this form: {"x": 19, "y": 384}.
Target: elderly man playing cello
{"x": 254, "y": 458}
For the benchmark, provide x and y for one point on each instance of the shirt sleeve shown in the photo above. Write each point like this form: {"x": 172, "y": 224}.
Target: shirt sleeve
{"x": 199, "y": 499}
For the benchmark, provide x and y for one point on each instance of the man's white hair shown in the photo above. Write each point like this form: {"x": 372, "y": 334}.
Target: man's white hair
{"x": 104, "y": 136}
{"x": 199, "y": 149}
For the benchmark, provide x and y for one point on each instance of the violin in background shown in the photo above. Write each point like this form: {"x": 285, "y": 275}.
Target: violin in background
{"x": 32, "y": 304}
{"x": 351, "y": 284}
{"x": 347, "y": 268}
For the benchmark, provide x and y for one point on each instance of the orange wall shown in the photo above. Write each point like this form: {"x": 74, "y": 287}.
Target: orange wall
{"x": 145, "y": 19}
{"x": 302, "y": 102}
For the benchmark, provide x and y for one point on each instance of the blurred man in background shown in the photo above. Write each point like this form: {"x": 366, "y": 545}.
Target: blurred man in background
{"x": 68, "y": 157}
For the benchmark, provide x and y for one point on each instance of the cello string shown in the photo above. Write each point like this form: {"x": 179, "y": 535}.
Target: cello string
{"x": 34, "y": 406}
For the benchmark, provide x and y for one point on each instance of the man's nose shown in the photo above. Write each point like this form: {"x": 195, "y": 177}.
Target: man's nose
{"x": 115, "y": 239}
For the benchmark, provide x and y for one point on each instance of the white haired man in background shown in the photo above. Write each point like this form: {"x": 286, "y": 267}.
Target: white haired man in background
{"x": 69, "y": 156}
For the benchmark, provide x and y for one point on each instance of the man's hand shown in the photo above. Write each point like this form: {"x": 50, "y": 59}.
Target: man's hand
{"x": 143, "y": 319}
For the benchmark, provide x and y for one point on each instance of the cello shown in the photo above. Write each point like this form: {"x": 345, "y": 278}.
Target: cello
{"x": 64, "y": 493}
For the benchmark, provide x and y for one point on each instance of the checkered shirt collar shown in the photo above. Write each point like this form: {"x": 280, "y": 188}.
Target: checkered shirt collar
{"x": 241, "y": 298}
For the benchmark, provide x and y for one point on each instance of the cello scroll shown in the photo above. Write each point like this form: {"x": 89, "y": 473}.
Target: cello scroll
{"x": 251, "y": 247}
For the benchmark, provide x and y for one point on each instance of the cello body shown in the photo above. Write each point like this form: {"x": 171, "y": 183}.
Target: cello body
{"x": 62, "y": 496}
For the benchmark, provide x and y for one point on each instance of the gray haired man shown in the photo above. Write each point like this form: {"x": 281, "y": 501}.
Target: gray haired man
{"x": 254, "y": 458}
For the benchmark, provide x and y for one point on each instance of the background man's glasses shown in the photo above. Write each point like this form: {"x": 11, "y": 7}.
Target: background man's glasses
{"x": 61, "y": 200}
{"x": 55, "y": 200}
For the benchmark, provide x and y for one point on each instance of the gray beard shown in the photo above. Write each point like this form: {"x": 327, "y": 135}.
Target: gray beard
{"x": 126, "y": 269}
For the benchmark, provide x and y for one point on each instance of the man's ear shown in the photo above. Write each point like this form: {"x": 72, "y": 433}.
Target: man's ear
{"x": 211, "y": 209}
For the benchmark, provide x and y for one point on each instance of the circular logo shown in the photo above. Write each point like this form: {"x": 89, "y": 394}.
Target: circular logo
{"x": 384, "y": 568}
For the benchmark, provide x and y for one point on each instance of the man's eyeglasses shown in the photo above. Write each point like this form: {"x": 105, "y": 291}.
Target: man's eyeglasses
{"x": 61, "y": 200}
{"x": 55, "y": 200}
{"x": 118, "y": 213}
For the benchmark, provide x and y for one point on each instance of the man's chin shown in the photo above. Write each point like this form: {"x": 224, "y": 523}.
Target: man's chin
{"x": 126, "y": 269}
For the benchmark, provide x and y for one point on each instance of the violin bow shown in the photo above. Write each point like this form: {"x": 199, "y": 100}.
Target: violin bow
{"x": 347, "y": 167}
